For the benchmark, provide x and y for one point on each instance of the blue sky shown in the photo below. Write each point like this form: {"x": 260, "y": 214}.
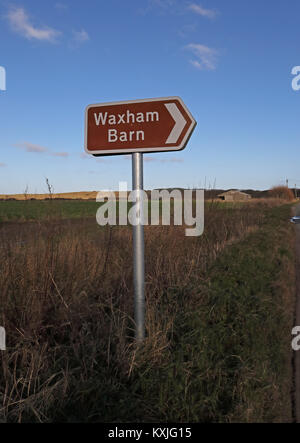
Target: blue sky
{"x": 230, "y": 61}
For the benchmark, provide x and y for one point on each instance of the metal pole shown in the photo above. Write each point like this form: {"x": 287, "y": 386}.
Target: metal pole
{"x": 138, "y": 249}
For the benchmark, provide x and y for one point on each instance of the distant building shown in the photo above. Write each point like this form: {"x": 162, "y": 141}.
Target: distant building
{"x": 230, "y": 196}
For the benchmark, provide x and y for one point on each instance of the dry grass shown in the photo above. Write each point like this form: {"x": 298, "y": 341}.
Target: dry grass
{"x": 67, "y": 306}
{"x": 282, "y": 192}
{"x": 89, "y": 195}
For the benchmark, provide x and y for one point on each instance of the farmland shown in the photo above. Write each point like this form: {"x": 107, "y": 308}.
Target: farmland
{"x": 46, "y": 209}
{"x": 218, "y": 319}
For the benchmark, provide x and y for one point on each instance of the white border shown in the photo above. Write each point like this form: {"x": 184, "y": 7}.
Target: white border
{"x": 145, "y": 150}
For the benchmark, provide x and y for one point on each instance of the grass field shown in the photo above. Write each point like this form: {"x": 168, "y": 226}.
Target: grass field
{"x": 219, "y": 317}
{"x": 46, "y": 209}
{"x": 21, "y": 210}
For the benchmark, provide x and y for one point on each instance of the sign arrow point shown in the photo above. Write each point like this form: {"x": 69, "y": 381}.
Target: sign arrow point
{"x": 180, "y": 123}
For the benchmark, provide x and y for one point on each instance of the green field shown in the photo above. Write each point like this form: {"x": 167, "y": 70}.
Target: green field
{"x": 37, "y": 210}
{"x": 62, "y": 209}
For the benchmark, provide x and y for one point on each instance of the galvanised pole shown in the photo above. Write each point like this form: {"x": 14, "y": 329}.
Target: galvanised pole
{"x": 138, "y": 249}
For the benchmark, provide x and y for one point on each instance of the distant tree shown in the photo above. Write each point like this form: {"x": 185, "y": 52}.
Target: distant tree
{"x": 50, "y": 189}
{"x": 26, "y": 193}
{"x": 282, "y": 192}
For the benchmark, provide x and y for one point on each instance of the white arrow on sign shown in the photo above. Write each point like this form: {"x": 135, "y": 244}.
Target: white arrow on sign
{"x": 180, "y": 123}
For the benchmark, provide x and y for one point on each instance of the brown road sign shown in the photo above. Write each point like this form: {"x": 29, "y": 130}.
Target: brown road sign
{"x": 151, "y": 125}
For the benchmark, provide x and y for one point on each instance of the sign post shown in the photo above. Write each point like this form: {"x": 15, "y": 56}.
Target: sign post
{"x": 138, "y": 248}
{"x": 136, "y": 127}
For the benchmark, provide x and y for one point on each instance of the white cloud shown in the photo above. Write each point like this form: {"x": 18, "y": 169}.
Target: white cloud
{"x": 38, "y": 149}
{"x": 172, "y": 160}
{"x": 206, "y": 57}
{"x": 209, "y": 13}
{"x": 20, "y": 23}
{"x": 29, "y": 147}
{"x": 80, "y": 36}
